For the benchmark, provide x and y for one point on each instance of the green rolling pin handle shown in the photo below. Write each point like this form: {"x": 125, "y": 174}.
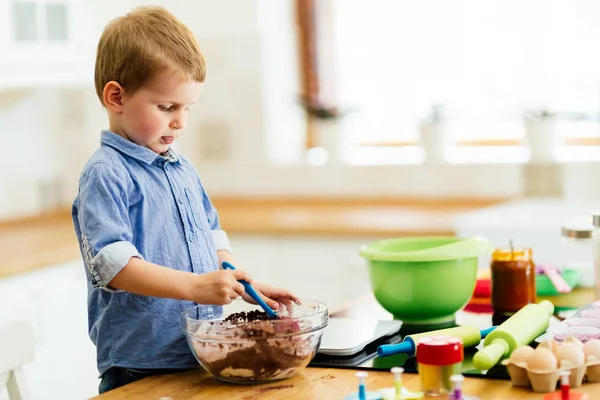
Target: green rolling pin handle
{"x": 547, "y": 304}
{"x": 409, "y": 346}
{"x": 499, "y": 347}
{"x": 487, "y": 357}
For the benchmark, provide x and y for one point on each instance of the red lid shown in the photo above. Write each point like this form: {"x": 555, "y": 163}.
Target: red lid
{"x": 440, "y": 350}
{"x": 483, "y": 288}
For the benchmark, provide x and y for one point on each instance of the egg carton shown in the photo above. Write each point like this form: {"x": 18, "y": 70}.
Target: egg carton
{"x": 540, "y": 368}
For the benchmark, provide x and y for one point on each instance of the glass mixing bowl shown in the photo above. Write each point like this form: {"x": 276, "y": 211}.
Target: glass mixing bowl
{"x": 233, "y": 349}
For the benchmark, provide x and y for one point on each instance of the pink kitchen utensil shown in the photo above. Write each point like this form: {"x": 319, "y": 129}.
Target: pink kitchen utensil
{"x": 555, "y": 277}
{"x": 583, "y": 333}
{"x": 590, "y": 313}
{"x": 590, "y": 321}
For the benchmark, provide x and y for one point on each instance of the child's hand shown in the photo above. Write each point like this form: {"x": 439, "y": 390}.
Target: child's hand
{"x": 220, "y": 287}
{"x": 272, "y": 295}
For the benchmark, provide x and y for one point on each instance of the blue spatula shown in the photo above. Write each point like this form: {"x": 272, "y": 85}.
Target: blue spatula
{"x": 252, "y": 293}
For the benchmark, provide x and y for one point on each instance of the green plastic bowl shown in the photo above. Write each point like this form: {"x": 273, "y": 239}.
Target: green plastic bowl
{"x": 424, "y": 280}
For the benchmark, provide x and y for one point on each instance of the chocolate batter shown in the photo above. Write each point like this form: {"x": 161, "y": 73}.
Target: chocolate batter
{"x": 260, "y": 355}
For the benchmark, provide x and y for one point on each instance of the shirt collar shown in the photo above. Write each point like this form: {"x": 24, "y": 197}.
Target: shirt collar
{"x": 170, "y": 155}
{"x": 133, "y": 150}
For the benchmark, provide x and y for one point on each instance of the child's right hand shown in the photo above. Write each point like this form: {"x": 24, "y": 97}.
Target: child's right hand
{"x": 219, "y": 287}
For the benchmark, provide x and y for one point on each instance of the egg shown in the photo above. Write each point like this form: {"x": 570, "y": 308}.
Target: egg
{"x": 592, "y": 349}
{"x": 573, "y": 339}
{"x": 571, "y": 353}
{"x": 521, "y": 354}
{"x": 542, "y": 359}
{"x": 549, "y": 344}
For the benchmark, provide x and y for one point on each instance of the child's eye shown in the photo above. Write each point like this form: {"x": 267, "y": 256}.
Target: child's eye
{"x": 166, "y": 108}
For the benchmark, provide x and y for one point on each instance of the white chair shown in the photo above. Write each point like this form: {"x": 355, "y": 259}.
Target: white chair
{"x": 16, "y": 348}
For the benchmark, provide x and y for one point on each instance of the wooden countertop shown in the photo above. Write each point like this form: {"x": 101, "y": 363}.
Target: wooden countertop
{"x": 37, "y": 242}
{"x": 323, "y": 383}
{"x": 345, "y": 216}
{"x": 312, "y": 384}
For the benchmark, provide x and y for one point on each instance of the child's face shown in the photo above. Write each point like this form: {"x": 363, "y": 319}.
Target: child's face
{"x": 154, "y": 115}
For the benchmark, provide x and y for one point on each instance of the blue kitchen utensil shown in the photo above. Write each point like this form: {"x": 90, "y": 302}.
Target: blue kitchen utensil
{"x": 252, "y": 293}
{"x": 470, "y": 335}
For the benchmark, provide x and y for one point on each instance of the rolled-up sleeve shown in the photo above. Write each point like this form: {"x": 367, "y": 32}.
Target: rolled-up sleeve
{"x": 221, "y": 240}
{"x": 106, "y": 235}
{"x": 219, "y": 236}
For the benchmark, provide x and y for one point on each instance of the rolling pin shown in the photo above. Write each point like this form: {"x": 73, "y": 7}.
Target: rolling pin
{"x": 521, "y": 329}
{"x": 470, "y": 336}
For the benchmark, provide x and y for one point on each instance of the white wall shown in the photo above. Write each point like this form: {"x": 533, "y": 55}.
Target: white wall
{"x": 245, "y": 135}
{"x": 28, "y": 130}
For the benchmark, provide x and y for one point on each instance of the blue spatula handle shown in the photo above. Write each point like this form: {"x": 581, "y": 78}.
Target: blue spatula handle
{"x": 252, "y": 293}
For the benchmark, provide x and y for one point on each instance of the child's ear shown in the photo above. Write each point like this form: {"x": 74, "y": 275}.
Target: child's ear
{"x": 112, "y": 95}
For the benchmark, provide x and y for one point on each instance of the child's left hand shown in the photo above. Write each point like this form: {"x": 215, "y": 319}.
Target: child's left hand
{"x": 272, "y": 295}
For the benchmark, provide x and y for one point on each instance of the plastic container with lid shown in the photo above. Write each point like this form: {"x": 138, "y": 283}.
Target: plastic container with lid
{"x": 513, "y": 280}
{"x": 438, "y": 358}
{"x": 578, "y": 252}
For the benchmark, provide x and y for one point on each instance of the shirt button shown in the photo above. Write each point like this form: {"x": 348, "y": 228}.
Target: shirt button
{"x": 191, "y": 238}
{"x": 180, "y": 200}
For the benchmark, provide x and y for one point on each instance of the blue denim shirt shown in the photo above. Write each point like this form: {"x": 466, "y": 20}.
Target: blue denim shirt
{"x": 133, "y": 202}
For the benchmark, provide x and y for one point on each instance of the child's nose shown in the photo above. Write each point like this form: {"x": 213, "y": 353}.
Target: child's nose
{"x": 178, "y": 123}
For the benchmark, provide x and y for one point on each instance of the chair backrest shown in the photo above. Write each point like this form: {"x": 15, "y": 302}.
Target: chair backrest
{"x": 17, "y": 348}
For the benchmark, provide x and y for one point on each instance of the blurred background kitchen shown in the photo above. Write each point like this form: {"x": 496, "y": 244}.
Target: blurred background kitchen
{"x": 323, "y": 125}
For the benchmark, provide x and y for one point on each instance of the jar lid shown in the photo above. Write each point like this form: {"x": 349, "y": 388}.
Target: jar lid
{"x": 511, "y": 255}
{"x": 440, "y": 350}
{"x": 578, "y": 233}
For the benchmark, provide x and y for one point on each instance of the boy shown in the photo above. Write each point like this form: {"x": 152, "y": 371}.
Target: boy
{"x": 149, "y": 235}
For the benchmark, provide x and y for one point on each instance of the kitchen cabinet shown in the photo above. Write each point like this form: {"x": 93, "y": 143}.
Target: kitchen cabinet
{"x": 53, "y": 301}
{"x": 45, "y": 43}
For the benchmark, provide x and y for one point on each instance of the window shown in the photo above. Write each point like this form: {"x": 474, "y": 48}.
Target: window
{"x": 40, "y": 21}
{"x": 474, "y": 69}
{"x": 56, "y": 22}
{"x": 25, "y": 17}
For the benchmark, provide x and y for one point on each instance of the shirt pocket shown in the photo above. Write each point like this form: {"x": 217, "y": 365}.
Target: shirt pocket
{"x": 195, "y": 210}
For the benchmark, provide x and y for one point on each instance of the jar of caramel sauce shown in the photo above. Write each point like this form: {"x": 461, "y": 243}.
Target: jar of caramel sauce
{"x": 512, "y": 279}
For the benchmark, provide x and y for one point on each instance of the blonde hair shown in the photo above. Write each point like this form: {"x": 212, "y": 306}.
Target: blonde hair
{"x": 147, "y": 40}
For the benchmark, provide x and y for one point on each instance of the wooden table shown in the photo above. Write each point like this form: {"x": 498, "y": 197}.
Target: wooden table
{"x": 320, "y": 383}
{"x": 312, "y": 384}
